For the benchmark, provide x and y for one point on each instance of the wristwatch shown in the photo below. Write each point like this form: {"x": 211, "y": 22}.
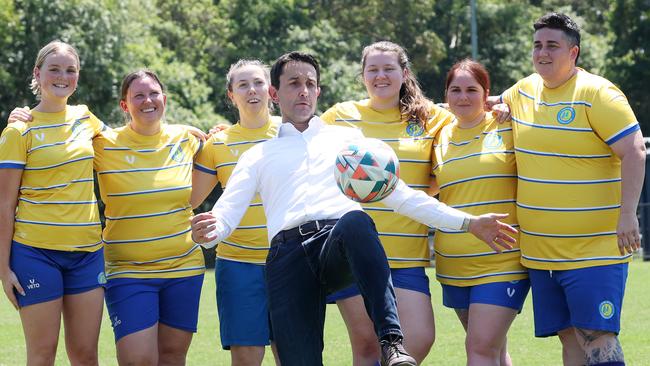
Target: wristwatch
{"x": 465, "y": 227}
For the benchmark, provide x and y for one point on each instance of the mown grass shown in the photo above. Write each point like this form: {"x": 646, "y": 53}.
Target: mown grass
{"x": 448, "y": 349}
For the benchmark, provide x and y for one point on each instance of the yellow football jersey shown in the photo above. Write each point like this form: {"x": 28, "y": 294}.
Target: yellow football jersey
{"x": 249, "y": 241}
{"x": 405, "y": 241}
{"x": 475, "y": 170}
{"x": 569, "y": 188}
{"x": 146, "y": 182}
{"x": 57, "y": 208}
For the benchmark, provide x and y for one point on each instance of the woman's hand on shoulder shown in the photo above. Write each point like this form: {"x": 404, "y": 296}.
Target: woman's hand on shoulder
{"x": 218, "y": 128}
{"x": 20, "y": 115}
{"x": 501, "y": 112}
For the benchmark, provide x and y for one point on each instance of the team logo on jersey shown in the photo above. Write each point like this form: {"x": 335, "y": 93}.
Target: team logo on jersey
{"x": 492, "y": 140}
{"x": 234, "y": 152}
{"x": 101, "y": 278}
{"x": 606, "y": 309}
{"x": 77, "y": 129}
{"x": 130, "y": 159}
{"x": 414, "y": 129}
{"x": 566, "y": 115}
{"x": 40, "y": 136}
{"x": 176, "y": 153}
{"x": 510, "y": 291}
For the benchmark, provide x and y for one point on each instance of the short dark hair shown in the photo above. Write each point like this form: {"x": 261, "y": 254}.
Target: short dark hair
{"x": 564, "y": 23}
{"x": 294, "y": 56}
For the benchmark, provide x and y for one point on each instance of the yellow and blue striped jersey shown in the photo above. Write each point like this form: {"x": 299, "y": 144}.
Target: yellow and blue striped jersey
{"x": 249, "y": 241}
{"x": 475, "y": 170}
{"x": 57, "y": 208}
{"x": 146, "y": 183}
{"x": 569, "y": 188}
{"x": 404, "y": 240}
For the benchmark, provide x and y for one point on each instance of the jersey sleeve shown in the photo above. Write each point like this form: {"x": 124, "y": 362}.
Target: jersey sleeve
{"x": 440, "y": 117}
{"x": 610, "y": 115}
{"x": 205, "y": 158}
{"x": 96, "y": 124}
{"x": 329, "y": 117}
{"x": 13, "y": 149}
{"x": 508, "y": 95}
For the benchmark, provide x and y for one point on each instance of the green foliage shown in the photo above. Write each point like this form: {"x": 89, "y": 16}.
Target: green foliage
{"x": 192, "y": 43}
{"x": 629, "y": 65}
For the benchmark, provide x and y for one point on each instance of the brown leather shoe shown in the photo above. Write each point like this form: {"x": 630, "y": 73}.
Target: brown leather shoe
{"x": 394, "y": 354}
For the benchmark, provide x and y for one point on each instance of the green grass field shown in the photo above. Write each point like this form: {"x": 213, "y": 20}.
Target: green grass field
{"x": 448, "y": 349}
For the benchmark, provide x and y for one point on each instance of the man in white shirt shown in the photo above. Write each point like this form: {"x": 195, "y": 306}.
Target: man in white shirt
{"x": 320, "y": 240}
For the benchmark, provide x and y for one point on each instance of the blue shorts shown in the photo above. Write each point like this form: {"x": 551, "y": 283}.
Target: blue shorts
{"x": 414, "y": 279}
{"x": 587, "y": 298}
{"x": 509, "y": 294}
{"x": 135, "y": 304}
{"x": 47, "y": 274}
{"x": 242, "y": 304}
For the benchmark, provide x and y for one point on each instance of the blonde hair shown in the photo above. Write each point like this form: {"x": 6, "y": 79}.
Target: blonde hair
{"x": 49, "y": 49}
{"x": 413, "y": 105}
{"x": 248, "y": 62}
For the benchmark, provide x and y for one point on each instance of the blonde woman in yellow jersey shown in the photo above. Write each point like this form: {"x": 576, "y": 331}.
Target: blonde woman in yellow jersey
{"x": 51, "y": 254}
{"x": 398, "y": 113}
{"x": 475, "y": 172}
{"x": 154, "y": 270}
{"x": 241, "y": 290}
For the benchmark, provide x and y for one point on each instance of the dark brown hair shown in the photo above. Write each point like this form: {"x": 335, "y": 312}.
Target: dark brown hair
{"x": 561, "y": 22}
{"x": 294, "y": 56}
{"x": 140, "y": 74}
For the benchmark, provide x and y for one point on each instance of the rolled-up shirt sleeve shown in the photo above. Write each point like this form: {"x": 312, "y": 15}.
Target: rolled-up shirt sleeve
{"x": 423, "y": 208}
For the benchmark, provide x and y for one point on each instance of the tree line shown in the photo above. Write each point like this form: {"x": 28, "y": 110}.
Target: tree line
{"x": 191, "y": 44}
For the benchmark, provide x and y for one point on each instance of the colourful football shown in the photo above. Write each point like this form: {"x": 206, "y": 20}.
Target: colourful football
{"x": 367, "y": 171}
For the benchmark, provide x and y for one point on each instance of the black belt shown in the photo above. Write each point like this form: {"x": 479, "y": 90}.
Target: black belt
{"x": 302, "y": 231}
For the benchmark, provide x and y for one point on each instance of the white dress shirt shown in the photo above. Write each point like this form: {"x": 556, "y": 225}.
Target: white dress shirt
{"x": 294, "y": 174}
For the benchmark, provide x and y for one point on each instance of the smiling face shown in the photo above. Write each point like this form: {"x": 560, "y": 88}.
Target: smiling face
{"x": 57, "y": 77}
{"x": 298, "y": 92}
{"x": 383, "y": 78}
{"x": 553, "y": 56}
{"x": 145, "y": 103}
{"x": 466, "y": 97}
{"x": 249, "y": 90}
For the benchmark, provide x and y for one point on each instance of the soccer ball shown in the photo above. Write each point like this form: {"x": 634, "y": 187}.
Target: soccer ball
{"x": 367, "y": 171}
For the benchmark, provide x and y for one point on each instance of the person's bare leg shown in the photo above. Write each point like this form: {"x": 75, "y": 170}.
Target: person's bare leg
{"x": 416, "y": 318}
{"x": 139, "y": 348}
{"x": 173, "y": 344}
{"x": 487, "y": 328}
{"x": 41, "y": 325}
{"x": 599, "y": 346}
{"x": 365, "y": 346}
{"x": 572, "y": 353}
{"x": 246, "y": 355}
{"x": 82, "y": 318}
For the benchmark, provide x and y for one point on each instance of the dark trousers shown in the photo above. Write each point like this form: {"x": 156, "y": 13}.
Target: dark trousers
{"x": 301, "y": 270}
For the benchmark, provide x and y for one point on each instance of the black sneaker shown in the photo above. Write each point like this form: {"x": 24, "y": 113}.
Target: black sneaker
{"x": 394, "y": 354}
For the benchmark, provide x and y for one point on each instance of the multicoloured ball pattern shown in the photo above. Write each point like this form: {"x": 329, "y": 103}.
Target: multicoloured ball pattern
{"x": 367, "y": 171}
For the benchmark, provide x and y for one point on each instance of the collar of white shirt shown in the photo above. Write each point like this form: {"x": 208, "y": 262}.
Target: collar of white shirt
{"x": 314, "y": 126}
